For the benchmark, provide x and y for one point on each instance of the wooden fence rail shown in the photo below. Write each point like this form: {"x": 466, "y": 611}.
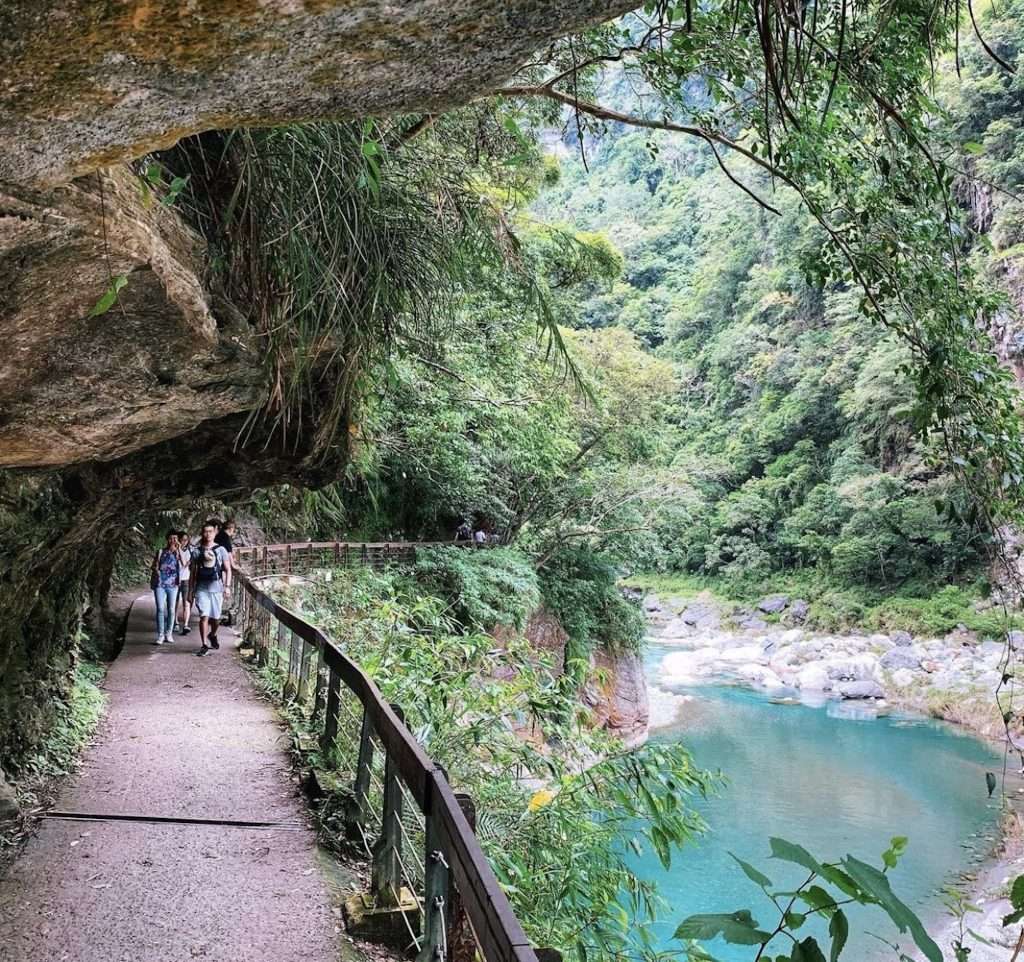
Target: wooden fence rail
{"x": 427, "y": 866}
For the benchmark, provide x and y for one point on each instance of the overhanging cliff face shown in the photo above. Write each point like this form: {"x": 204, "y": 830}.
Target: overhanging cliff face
{"x": 77, "y": 388}
{"x": 88, "y": 84}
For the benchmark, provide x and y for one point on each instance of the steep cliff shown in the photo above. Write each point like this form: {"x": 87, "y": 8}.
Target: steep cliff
{"x": 616, "y": 692}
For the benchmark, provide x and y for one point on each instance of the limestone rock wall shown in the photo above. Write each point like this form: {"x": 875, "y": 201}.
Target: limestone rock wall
{"x": 75, "y": 388}
{"x": 86, "y": 85}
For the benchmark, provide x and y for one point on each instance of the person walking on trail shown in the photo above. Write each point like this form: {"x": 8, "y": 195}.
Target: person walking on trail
{"x": 211, "y": 579}
{"x": 165, "y": 577}
{"x": 225, "y": 536}
{"x": 187, "y": 557}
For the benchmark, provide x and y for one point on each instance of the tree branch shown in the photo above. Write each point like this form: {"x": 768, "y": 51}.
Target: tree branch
{"x": 606, "y": 113}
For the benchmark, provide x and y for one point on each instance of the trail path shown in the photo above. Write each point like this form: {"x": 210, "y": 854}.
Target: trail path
{"x": 184, "y": 738}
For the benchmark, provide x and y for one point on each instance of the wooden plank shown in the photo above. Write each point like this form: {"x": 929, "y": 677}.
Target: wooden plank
{"x": 331, "y": 712}
{"x": 498, "y": 932}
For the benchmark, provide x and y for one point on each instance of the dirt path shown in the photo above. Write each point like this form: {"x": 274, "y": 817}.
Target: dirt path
{"x": 185, "y": 738}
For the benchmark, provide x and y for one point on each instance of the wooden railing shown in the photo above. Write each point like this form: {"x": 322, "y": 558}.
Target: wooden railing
{"x": 298, "y": 557}
{"x": 427, "y": 867}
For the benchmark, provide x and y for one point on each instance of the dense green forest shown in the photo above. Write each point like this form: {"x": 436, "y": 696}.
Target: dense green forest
{"x": 723, "y": 414}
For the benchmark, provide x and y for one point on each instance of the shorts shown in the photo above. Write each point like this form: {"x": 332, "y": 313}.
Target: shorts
{"x": 208, "y": 603}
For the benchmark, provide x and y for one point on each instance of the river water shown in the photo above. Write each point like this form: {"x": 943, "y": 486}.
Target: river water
{"x": 835, "y": 780}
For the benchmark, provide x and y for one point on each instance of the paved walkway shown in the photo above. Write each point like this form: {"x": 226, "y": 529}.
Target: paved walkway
{"x": 184, "y": 737}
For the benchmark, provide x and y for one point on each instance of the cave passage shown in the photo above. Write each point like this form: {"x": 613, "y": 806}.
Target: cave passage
{"x": 152, "y": 877}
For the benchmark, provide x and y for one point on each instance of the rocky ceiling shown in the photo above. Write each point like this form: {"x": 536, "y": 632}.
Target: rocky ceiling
{"x": 86, "y": 85}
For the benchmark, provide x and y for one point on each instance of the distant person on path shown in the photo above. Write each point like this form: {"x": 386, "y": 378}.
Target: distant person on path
{"x": 211, "y": 578}
{"x": 464, "y": 532}
{"x": 165, "y": 577}
{"x": 225, "y": 536}
{"x": 187, "y": 556}
{"x": 480, "y": 536}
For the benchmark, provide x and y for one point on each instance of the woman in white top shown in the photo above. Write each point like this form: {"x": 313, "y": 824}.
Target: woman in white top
{"x": 186, "y": 555}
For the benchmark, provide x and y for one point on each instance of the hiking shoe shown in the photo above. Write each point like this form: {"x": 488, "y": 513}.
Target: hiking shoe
{"x": 202, "y": 651}
{"x": 213, "y": 641}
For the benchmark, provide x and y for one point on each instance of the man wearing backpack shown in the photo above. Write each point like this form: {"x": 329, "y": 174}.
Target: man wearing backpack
{"x": 211, "y": 578}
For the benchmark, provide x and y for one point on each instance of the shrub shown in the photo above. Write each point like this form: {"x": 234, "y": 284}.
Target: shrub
{"x": 485, "y": 588}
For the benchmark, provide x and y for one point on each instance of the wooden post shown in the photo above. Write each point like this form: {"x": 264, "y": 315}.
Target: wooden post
{"x": 331, "y": 712}
{"x": 462, "y": 942}
{"x": 303, "y": 683}
{"x": 291, "y": 682}
{"x": 320, "y": 687}
{"x": 436, "y": 888}
{"x": 288, "y": 559}
{"x": 386, "y": 870}
{"x": 355, "y": 820}
{"x": 282, "y": 631}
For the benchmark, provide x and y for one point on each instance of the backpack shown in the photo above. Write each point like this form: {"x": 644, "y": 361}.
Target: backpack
{"x": 207, "y": 576}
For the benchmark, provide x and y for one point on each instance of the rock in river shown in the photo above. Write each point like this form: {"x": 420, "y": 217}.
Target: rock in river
{"x": 773, "y": 604}
{"x": 901, "y": 658}
{"x": 860, "y": 689}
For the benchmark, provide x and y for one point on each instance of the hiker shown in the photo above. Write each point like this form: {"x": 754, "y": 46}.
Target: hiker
{"x": 211, "y": 578}
{"x": 225, "y": 536}
{"x": 164, "y": 580}
{"x": 480, "y": 536}
{"x": 464, "y": 532}
{"x": 186, "y": 558}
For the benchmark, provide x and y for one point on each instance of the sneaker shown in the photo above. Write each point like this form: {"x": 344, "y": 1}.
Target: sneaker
{"x": 159, "y": 641}
{"x": 202, "y": 651}
{"x": 185, "y": 629}
{"x": 168, "y": 640}
{"x": 213, "y": 641}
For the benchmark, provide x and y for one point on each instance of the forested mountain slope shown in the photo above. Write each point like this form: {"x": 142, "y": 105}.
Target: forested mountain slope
{"x": 793, "y": 444}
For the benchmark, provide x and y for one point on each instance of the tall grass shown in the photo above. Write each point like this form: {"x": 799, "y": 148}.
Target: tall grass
{"x": 339, "y": 252}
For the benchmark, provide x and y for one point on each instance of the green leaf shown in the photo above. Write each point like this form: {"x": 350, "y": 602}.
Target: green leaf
{"x": 794, "y": 920}
{"x": 818, "y": 899}
{"x": 807, "y": 951}
{"x": 839, "y": 932}
{"x": 897, "y": 846}
{"x": 758, "y": 878}
{"x": 106, "y": 302}
{"x": 973, "y": 147}
{"x": 791, "y": 852}
{"x": 874, "y": 882}
{"x": 1017, "y": 893}
{"x": 737, "y": 928}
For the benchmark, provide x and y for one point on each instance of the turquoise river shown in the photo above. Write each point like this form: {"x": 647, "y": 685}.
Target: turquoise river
{"x": 836, "y": 780}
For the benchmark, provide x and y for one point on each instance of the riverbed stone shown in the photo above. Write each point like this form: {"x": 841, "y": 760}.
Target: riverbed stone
{"x": 903, "y": 677}
{"x": 652, "y": 603}
{"x": 759, "y": 675}
{"x": 704, "y": 616}
{"x": 860, "y": 667}
{"x": 753, "y": 623}
{"x": 901, "y": 658}
{"x": 902, "y": 638}
{"x": 866, "y": 688}
{"x": 814, "y": 677}
{"x": 797, "y": 612}
{"x": 773, "y": 604}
